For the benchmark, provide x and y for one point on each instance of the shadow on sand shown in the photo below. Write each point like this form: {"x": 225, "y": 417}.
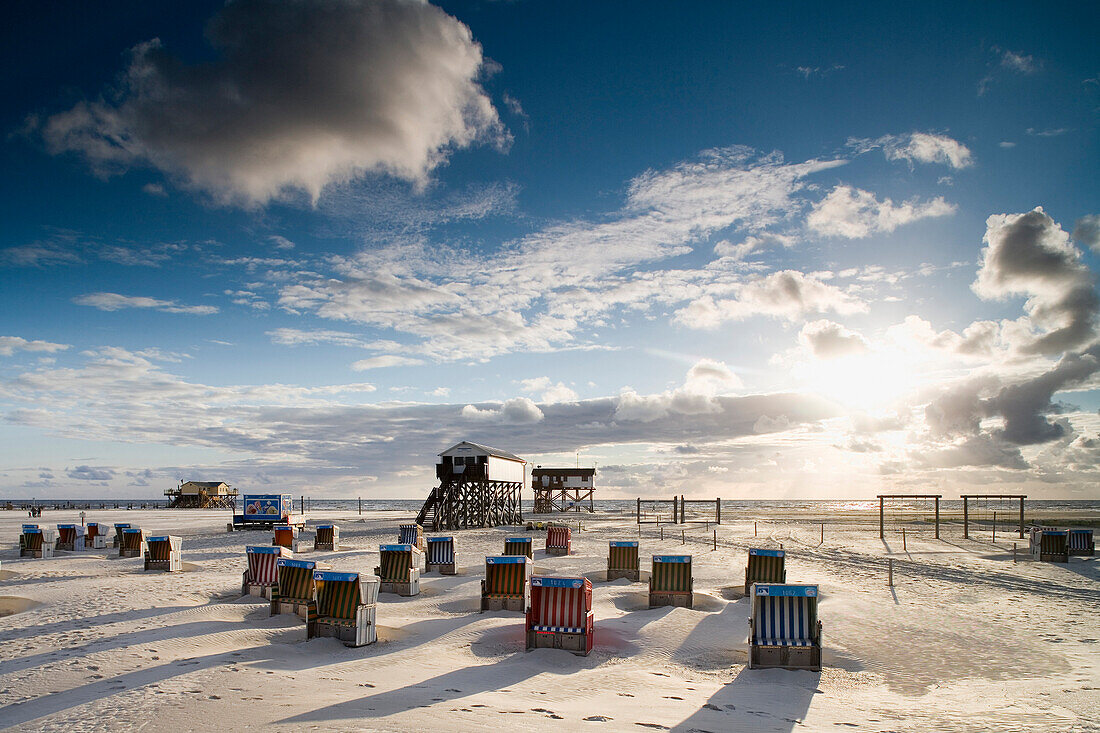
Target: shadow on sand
{"x": 757, "y": 699}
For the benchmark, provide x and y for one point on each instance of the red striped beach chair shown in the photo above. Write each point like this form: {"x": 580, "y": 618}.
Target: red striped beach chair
{"x": 328, "y": 538}
{"x": 411, "y": 534}
{"x": 133, "y": 543}
{"x": 399, "y": 569}
{"x": 1054, "y": 546}
{"x": 670, "y": 582}
{"x": 519, "y": 546}
{"x": 560, "y": 615}
{"x": 95, "y": 537}
{"x": 119, "y": 526}
{"x": 1080, "y": 542}
{"x": 345, "y": 607}
{"x": 505, "y": 586}
{"x": 783, "y": 629}
{"x": 295, "y": 588}
{"x": 558, "y": 541}
{"x": 622, "y": 560}
{"x": 440, "y": 555}
{"x": 286, "y": 535}
{"x": 765, "y": 566}
{"x": 262, "y": 570}
{"x": 36, "y": 541}
{"x": 165, "y": 553}
{"x": 70, "y": 537}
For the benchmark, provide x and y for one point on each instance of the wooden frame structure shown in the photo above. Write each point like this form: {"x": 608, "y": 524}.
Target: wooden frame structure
{"x": 882, "y": 510}
{"x": 717, "y": 510}
{"x": 966, "y": 509}
{"x": 679, "y": 515}
{"x": 473, "y": 494}
{"x": 561, "y": 490}
{"x": 202, "y": 495}
{"x": 657, "y": 511}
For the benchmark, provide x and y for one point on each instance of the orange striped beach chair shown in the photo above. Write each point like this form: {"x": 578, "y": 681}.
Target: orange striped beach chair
{"x": 519, "y": 546}
{"x": 95, "y": 537}
{"x": 440, "y": 555}
{"x": 70, "y": 537}
{"x": 505, "y": 586}
{"x": 327, "y": 538}
{"x": 295, "y": 588}
{"x": 411, "y": 534}
{"x": 399, "y": 569}
{"x": 164, "y": 552}
{"x": 286, "y": 535}
{"x": 133, "y": 543}
{"x": 261, "y": 573}
{"x": 670, "y": 582}
{"x": 560, "y": 615}
{"x": 35, "y": 541}
{"x": 558, "y": 541}
{"x": 784, "y": 630}
{"x": 119, "y": 526}
{"x": 345, "y": 607}
{"x": 765, "y": 566}
{"x": 622, "y": 560}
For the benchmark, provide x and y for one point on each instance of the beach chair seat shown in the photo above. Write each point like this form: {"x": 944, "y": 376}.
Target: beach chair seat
{"x": 505, "y": 587}
{"x": 622, "y": 560}
{"x": 295, "y": 588}
{"x": 519, "y": 546}
{"x": 95, "y": 536}
{"x": 1080, "y": 542}
{"x": 327, "y": 538}
{"x": 164, "y": 553}
{"x": 411, "y": 534}
{"x": 784, "y": 630}
{"x": 1054, "y": 546}
{"x": 558, "y": 541}
{"x": 70, "y": 537}
{"x": 765, "y": 566}
{"x": 399, "y": 569}
{"x": 37, "y": 542}
{"x": 560, "y": 615}
{"x": 286, "y": 535}
{"x": 133, "y": 543}
{"x": 1035, "y": 534}
{"x": 440, "y": 555}
{"x": 119, "y": 526}
{"x": 261, "y": 572}
{"x": 670, "y": 581}
{"x": 344, "y": 608}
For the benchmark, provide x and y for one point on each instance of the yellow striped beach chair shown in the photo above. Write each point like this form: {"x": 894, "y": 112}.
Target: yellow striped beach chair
{"x": 440, "y": 555}
{"x": 560, "y": 615}
{"x": 345, "y": 607}
{"x": 519, "y": 546}
{"x": 261, "y": 572}
{"x": 399, "y": 569}
{"x": 133, "y": 543}
{"x": 505, "y": 586}
{"x": 164, "y": 552}
{"x": 327, "y": 538}
{"x": 559, "y": 541}
{"x": 670, "y": 582}
{"x": 622, "y": 560}
{"x": 70, "y": 537}
{"x": 765, "y": 566}
{"x": 411, "y": 534}
{"x": 784, "y": 630}
{"x": 35, "y": 541}
{"x": 286, "y": 535}
{"x": 295, "y": 588}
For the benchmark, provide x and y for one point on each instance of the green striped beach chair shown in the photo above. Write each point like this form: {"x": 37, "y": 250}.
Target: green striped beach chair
{"x": 295, "y": 588}
{"x": 345, "y": 607}
{"x": 1054, "y": 546}
{"x": 399, "y": 569}
{"x": 622, "y": 560}
{"x": 327, "y": 538}
{"x": 784, "y": 630}
{"x": 35, "y": 541}
{"x": 411, "y": 534}
{"x": 519, "y": 546}
{"x": 765, "y": 566}
{"x": 70, "y": 537}
{"x": 670, "y": 582}
{"x": 1080, "y": 542}
{"x": 164, "y": 553}
{"x": 133, "y": 543}
{"x": 505, "y": 586}
{"x": 440, "y": 555}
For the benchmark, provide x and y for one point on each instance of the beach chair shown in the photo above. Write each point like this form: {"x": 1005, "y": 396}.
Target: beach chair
{"x": 165, "y": 553}
{"x": 95, "y": 536}
{"x": 1035, "y": 535}
{"x": 1054, "y": 546}
{"x": 519, "y": 546}
{"x": 70, "y": 537}
{"x": 765, "y": 566}
{"x": 262, "y": 570}
{"x": 36, "y": 542}
{"x": 133, "y": 543}
{"x": 670, "y": 582}
{"x": 560, "y": 615}
{"x": 411, "y": 534}
{"x": 295, "y": 588}
{"x": 622, "y": 560}
{"x": 328, "y": 538}
{"x": 440, "y": 555}
{"x": 118, "y": 533}
{"x": 505, "y": 586}
{"x": 286, "y": 535}
{"x": 1080, "y": 542}
{"x": 345, "y": 607}
{"x": 399, "y": 569}
{"x": 783, "y": 629}
{"x": 558, "y": 541}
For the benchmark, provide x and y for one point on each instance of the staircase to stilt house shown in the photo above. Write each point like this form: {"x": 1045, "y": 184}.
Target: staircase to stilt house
{"x": 428, "y": 518}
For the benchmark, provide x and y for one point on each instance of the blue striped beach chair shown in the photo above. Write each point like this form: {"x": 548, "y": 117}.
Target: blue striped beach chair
{"x": 35, "y": 541}
{"x": 765, "y": 566}
{"x": 286, "y": 535}
{"x": 164, "y": 552}
{"x": 784, "y": 630}
{"x": 261, "y": 572}
{"x": 622, "y": 560}
{"x": 295, "y": 588}
{"x": 560, "y": 615}
{"x": 411, "y": 534}
{"x": 1080, "y": 542}
{"x": 70, "y": 537}
{"x": 95, "y": 536}
{"x": 327, "y": 538}
{"x": 519, "y": 546}
{"x": 345, "y": 607}
{"x": 1054, "y": 546}
{"x": 399, "y": 569}
{"x": 440, "y": 555}
{"x": 133, "y": 543}
{"x": 670, "y": 582}
{"x": 505, "y": 586}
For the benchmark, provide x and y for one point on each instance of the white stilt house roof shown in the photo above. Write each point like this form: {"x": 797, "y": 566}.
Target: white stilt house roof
{"x": 500, "y": 465}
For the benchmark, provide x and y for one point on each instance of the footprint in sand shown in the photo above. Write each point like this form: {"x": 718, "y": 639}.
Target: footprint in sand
{"x": 656, "y": 726}
{"x": 598, "y": 719}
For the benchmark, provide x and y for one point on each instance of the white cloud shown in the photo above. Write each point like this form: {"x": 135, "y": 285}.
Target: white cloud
{"x": 1087, "y": 231}
{"x": 786, "y": 294}
{"x": 516, "y": 411}
{"x": 854, "y": 213}
{"x": 828, "y": 340}
{"x": 921, "y": 147}
{"x": 386, "y": 360}
{"x": 10, "y": 344}
{"x": 1023, "y": 63}
{"x": 550, "y": 392}
{"x": 114, "y": 302}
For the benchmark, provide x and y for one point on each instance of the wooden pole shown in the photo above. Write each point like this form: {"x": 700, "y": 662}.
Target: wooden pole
{"x": 903, "y": 539}
{"x": 754, "y": 529}
{"x": 682, "y": 540}
{"x": 966, "y": 519}
{"x": 718, "y": 510}
{"x": 1013, "y": 553}
{"x": 360, "y": 506}
{"x": 716, "y": 540}
{"x": 994, "y": 526}
{"x": 890, "y": 572}
{"x": 937, "y": 517}
{"x": 881, "y": 521}
{"x": 1021, "y": 517}
{"x": 662, "y": 534}
{"x": 638, "y": 511}
{"x": 823, "y": 533}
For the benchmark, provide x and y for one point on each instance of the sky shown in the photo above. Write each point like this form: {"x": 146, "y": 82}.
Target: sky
{"x": 776, "y": 252}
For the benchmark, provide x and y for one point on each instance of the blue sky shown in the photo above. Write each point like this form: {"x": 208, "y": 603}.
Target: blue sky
{"x": 759, "y": 252}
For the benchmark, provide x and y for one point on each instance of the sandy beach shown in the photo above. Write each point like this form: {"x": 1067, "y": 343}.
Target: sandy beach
{"x": 966, "y": 639}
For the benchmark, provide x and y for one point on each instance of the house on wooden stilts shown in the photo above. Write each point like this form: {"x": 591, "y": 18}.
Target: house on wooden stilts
{"x": 479, "y": 486}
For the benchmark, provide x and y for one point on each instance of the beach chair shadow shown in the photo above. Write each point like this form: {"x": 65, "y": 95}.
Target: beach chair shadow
{"x": 774, "y": 700}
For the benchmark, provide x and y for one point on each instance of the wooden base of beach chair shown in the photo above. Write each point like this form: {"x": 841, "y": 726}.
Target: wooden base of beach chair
{"x": 504, "y": 603}
{"x": 412, "y": 588}
{"x": 1086, "y": 552}
{"x": 1053, "y": 557}
{"x": 299, "y": 607}
{"x": 680, "y": 600}
{"x": 360, "y": 632}
{"x": 254, "y": 589}
{"x": 632, "y": 575}
{"x": 576, "y": 643}
{"x": 443, "y": 568}
{"x": 70, "y": 546}
{"x": 557, "y": 550}
{"x": 295, "y": 546}
{"x": 785, "y": 657}
{"x": 175, "y": 565}
{"x": 45, "y": 552}
{"x": 326, "y": 547}
{"x": 130, "y": 553}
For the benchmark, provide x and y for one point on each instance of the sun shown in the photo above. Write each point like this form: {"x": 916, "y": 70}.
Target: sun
{"x": 868, "y": 381}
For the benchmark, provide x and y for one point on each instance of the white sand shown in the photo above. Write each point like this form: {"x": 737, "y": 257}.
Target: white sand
{"x": 965, "y": 640}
